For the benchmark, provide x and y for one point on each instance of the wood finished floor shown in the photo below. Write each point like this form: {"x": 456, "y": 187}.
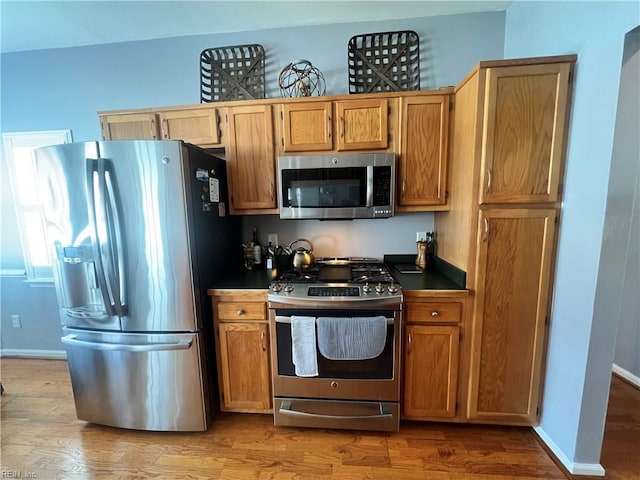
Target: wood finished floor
{"x": 41, "y": 438}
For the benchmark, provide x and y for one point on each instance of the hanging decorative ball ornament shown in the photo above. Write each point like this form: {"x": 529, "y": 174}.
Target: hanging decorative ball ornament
{"x": 301, "y": 79}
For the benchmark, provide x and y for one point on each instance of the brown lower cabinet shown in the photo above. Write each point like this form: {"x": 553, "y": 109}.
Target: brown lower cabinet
{"x": 432, "y": 334}
{"x": 514, "y": 266}
{"x": 242, "y": 350}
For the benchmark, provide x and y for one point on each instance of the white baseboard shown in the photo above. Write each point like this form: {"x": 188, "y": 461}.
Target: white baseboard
{"x": 627, "y": 375}
{"x": 591, "y": 469}
{"x": 23, "y": 353}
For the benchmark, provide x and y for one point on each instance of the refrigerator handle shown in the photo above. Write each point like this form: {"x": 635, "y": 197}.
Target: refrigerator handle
{"x": 115, "y": 233}
{"x": 93, "y": 201}
{"x": 72, "y": 340}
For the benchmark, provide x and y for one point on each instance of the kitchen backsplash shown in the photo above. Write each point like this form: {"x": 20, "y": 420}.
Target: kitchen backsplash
{"x": 344, "y": 238}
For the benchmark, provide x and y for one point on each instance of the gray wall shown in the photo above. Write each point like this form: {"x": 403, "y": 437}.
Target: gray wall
{"x": 64, "y": 88}
{"x": 581, "y": 342}
{"x": 621, "y": 240}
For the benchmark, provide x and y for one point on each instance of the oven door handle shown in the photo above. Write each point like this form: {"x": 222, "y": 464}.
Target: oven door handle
{"x": 285, "y": 319}
{"x": 285, "y": 409}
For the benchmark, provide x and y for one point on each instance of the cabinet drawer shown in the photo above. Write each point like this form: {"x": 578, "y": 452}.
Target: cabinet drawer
{"x": 433, "y": 312}
{"x": 241, "y": 311}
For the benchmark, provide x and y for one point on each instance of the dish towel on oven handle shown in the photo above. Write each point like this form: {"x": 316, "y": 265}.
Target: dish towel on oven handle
{"x": 303, "y": 346}
{"x": 351, "y": 338}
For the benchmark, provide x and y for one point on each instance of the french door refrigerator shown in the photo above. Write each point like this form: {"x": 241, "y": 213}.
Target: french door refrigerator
{"x": 138, "y": 231}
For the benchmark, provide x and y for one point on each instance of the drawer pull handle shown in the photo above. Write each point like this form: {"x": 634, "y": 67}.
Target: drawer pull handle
{"x": 435, "y": 314}
{"x": 240, "y": 312}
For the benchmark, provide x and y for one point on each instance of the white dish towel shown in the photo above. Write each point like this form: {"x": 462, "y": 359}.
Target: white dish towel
{"x": 303, "y": 346}
{"x": 351, "y": 338}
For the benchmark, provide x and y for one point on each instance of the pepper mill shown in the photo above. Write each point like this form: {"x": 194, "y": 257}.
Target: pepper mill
{"x": 421, "y": 258}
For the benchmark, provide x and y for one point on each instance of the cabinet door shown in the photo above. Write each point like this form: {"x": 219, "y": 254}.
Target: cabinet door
{"x": 431, "y": 371}
{"x": 526, "y": 109}
{"x": 244, "y": 358}
{"x": 306, "y": 127}
{"x": 251, "y": 158}
{"x": 129, "y": 126}
{"x": 424, "y": 150}
{"x": 362, "y": 124}
{"x": 512, "y": 299}
{"x": 198, "y": 126}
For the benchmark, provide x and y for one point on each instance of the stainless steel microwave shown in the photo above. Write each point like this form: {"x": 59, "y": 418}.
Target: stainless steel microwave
{"x": 358, "y": 185}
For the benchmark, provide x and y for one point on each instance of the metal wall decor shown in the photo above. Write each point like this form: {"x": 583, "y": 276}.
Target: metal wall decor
{"x": 384, "y": 62}
{"x": 232, "y": 73}
{"x": 301, "y": 79}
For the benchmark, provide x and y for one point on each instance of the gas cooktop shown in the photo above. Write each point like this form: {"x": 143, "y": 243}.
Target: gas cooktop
{"x": 346, "y": 278}
{"x": 357, "y": 270}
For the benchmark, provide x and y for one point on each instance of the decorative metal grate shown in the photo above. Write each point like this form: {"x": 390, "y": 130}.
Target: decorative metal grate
{"x": 384, "y": 62}
{"x": 232, "y": 73}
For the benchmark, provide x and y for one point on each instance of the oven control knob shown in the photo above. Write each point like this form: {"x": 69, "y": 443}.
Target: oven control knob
{"x": 379, "y": 288}
{"x": 276, "y": 287}
{"x": 288, "y": 288}
{"x": 366, "y": 288}
{"x": 393, "y": 288}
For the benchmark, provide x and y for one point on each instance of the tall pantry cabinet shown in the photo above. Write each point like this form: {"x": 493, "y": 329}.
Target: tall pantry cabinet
{"x": 508, "y": 143}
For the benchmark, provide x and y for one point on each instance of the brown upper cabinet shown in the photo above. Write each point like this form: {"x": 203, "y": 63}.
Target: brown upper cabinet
{"x": 250, "y": 159}
{"x": 129, "y": 126}
{"x": 306, "y": 127}
{"x": 199, "y": 126}
{"x": 362, "y": 124}
{"x": 312, "y": 126}
{"x": 424, "y": 127}
{"x": 525, "y": 122}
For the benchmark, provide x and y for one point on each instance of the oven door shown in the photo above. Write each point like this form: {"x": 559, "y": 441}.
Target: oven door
{"x": 373, "y": 379}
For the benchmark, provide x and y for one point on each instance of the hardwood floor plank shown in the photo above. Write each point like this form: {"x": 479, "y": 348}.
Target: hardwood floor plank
{"x": 41, "y": 434}
{"x": 621, "y": 443}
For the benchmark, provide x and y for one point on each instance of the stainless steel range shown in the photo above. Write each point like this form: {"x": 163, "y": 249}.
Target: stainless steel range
{"x": 335, "y": 345}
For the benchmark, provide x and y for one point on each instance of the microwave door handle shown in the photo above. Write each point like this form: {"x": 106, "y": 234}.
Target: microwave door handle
{"x": 369, "y": 186}
{"x": 93, "y": 203}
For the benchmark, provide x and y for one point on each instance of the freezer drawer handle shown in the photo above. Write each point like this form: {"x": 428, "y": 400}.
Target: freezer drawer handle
{"x": 286, "y": 409}
{"x": 73, "y": 341}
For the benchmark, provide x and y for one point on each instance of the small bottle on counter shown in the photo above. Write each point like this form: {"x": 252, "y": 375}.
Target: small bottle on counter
{"x": 257, "y": 250}
{"x": 421, "y": 257}
{"x": 269, "y": 257}
{"x": 431, "y": 250}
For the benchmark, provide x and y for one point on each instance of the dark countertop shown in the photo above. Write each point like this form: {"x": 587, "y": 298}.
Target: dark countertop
{"x": 247, "y": 280}
{"x": 442, "y": 277}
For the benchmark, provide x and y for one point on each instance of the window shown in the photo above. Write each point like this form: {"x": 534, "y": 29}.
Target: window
{"x": 18, "y": 148}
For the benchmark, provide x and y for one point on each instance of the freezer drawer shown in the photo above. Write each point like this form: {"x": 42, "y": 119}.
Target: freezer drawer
{"x": 139, "y": 381}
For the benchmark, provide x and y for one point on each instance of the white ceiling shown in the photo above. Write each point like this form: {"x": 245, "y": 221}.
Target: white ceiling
{"x": 35, "y": 25}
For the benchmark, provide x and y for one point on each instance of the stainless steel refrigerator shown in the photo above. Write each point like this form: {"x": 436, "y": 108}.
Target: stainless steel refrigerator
{"x": 138, "y": 231}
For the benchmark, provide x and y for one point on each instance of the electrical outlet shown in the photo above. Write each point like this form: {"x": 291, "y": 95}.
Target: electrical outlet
{"x": 421, "y": 236}
{"x": 273, "y": 239}
{"x": 15, "y": 321}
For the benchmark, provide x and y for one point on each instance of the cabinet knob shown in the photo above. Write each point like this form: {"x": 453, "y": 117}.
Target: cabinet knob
{"x": 240, "y": 312}
{"x": 435, "y": 314}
